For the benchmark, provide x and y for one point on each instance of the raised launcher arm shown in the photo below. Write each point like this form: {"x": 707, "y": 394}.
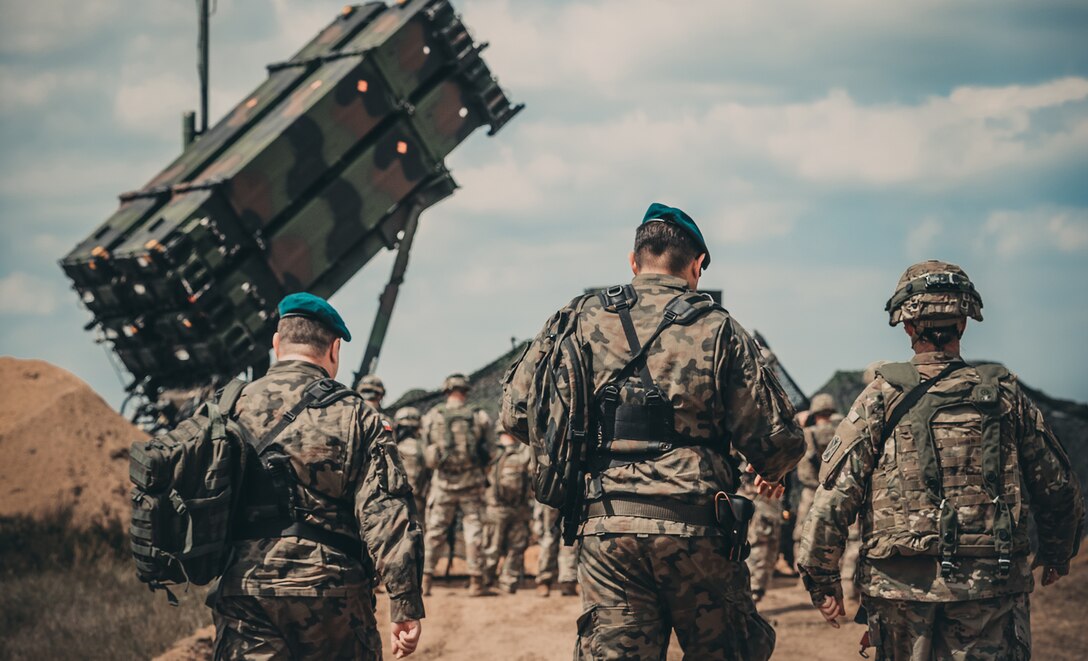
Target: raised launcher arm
{"x": 330, "y": 160}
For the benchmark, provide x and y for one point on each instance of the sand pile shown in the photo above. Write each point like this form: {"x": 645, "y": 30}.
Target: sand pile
{"x": 62, "y": 446}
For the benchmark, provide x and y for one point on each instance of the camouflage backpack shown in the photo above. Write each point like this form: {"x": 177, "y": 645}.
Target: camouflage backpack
{"x": 509, "y": 479}
{"x": 185, "y": 491}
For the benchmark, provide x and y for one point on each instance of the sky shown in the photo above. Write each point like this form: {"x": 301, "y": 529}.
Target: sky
{"x": 822, "y": 147}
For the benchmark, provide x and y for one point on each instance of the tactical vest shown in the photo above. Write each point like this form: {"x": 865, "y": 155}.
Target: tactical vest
{"x": 949, "y": 482}
{"x": 462, "y": 445}
{"x": 634, "y": 416}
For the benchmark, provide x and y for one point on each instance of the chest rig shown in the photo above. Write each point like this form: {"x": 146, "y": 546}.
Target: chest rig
{"x": 970, "y": 479}
{"x": 269, "y": 505}
{"x": 641, "y": 425}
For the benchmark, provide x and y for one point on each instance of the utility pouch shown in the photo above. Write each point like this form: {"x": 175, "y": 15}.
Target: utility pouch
{"x": 734, "y": 512}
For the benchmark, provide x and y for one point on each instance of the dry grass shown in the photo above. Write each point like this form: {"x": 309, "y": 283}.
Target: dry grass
{"x": 74, "y": 594}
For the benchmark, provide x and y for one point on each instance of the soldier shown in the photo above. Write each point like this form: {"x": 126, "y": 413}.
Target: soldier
{"x": 508, "y": 513}
{"x": 763, "y": 536}
{"x": 373, "y": 391}
{"x": 940, "y": 460}
{"x": 556, "y": 560}
{"x": 410, "y": 446}
{"x": 327, "y": 496}
{"x": 818, "y": 433}
{"x": 655, "y": 553}
{"x": 458, "y": 450}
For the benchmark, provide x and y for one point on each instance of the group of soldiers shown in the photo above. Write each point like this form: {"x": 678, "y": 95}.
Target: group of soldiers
{"x": 467, "y": 485}
{"x": 929, "y": 480}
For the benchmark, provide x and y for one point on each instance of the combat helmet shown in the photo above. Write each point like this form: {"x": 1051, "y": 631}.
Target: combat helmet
{"x": 407, "y": 416}
{"x": 456, "y": 382}
{"x": 372, "y": 385}
{"x": 933, "y": 293}
{"x": 822, "y": 403}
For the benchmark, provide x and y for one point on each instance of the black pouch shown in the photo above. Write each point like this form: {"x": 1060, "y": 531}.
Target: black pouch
{"x": 734, "y": 512}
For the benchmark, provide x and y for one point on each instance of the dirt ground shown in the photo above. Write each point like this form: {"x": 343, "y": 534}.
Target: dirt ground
{"x": 525, "y": 627}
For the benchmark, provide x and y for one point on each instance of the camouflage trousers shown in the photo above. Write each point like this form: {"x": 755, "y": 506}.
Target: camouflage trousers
{"x": 442, "y": 508}
{"x": 848, "y": 566}
{"x": 296, "y": 628}
{"x": 803, "y": 506}
{"x": 976, "y": 630}
{"x": 763, "y": 535}
{"x": 636, "y": 589}
{"x": 556, "y": 561}
{"x": 507, "y": 537}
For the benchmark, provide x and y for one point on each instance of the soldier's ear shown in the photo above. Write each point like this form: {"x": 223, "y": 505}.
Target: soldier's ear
{"x": 276, "y": 344}
{"x": 633, "y": 262}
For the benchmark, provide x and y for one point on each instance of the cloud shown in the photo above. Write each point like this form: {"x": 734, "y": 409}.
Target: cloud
{"x": 25, "y": 294}
{"x": 921, "y": 238}
{"x": 1012, "y": 233}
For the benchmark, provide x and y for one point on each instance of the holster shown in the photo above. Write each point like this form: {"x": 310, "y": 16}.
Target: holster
{"x": 734, "y": 513}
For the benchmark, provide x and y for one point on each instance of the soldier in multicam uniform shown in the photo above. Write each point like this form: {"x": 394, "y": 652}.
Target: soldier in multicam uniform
{"x": 763, "y": 536}
{"x": 372, "y": 390}
{"x": 411, "y": 447}
{"x": 328, "y": 496}
{"x": 940, "y": 460}
{"x": 818, "y": 434}
{"x": 653, "y": 556}
{"x": 458, "y": 451}
{"x": 508, "y": 513}
{"x": 556, "y": 561}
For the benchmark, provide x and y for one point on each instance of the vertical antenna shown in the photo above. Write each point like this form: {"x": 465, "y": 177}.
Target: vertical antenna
{"x": 202, "y": 65}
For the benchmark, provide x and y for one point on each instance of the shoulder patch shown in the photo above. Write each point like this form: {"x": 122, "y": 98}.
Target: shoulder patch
{"x": 831, "y": 448}
{"x": 850, "y": 433}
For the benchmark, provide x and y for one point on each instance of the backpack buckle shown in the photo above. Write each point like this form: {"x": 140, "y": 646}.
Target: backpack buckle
{"x": 1004, "y": 567}
{"x": 947, "y": 567}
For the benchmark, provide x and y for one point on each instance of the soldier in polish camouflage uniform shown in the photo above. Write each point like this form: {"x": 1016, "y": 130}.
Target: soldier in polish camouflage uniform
{"x": 458, "y": 451}
{"x": 940, "y": 459}
{"x": 331, "y": 497}
{"x": 818, "y": 434}
{"x": 557, "y": 562}
{"x": 652, "y": 556}
{"x": 508, "y": 513}
{"x": 407, "y": 422}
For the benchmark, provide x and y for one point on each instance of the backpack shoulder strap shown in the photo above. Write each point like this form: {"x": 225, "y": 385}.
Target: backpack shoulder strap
{"x": 317, "y": 394}
{"x": 913, "y": 396}
{"x": 904, "y": 376}
{"x": 229, "y": 395}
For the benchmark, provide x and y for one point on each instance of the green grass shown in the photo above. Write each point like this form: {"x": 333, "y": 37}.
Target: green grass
{"x": 74, "y": 594}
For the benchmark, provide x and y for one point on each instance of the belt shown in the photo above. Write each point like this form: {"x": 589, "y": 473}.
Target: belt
{"x": 275, "y": 528}
{"x": 666, "y": 509}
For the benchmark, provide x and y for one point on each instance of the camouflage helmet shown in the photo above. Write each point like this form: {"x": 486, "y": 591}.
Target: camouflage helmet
{"x": 407, "y": 416}
{"x": 869, "y": 375}
{"x": 372, "y": 385}
{"x": 456, "y": 382}
{"x": 822, "y": 403}
{"x": 933, "y": 293}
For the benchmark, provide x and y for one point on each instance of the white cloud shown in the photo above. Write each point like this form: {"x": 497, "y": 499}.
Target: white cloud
{"x": 25, "y": 294}
{"x": 1011, "y": 233}
{"x": 921, "y": 238}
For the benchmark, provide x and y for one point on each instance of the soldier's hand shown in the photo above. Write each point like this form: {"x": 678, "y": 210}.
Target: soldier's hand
{"x": 405, "y": 637}
{"x": 831, "y": 609}
{"x": 772, "y": 490}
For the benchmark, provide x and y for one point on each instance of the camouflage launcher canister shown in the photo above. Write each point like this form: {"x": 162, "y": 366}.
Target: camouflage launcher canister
{"x": 298, "y": 187}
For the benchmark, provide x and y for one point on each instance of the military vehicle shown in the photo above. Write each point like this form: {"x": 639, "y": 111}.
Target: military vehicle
{"x": 327, "y": 162}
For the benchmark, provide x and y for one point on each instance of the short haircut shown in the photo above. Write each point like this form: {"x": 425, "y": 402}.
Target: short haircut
{"x": 665, "y": 243}
{"x": 315, "y": 336}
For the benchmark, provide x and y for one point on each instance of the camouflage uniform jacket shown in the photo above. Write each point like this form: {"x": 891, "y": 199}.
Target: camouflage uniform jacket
{"x": 411, "y": 450}
{"x": 817, "y": 439}
{"x": 340, "y": 454}
{"x": 712, "y": 372}
{"x": 891, "y": 572}
{"x": 458, "y": 464}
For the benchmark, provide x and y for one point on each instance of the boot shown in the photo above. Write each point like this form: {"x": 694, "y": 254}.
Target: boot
{"x": 427, "y": 580}
{"x": 476, "y": 587}
{"x": 783, "y": 568}
{"x": 568, "y": 589}
{"x": 543, "y": 590}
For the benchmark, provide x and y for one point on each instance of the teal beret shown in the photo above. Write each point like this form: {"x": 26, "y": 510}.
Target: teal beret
{"x": 305, "y": 304}
{"x": 674, "y": 216}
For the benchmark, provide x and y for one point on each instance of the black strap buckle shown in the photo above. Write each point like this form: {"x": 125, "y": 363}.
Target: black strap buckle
{"x": 947, "y": 567}
{"x": 1004, "y": 566}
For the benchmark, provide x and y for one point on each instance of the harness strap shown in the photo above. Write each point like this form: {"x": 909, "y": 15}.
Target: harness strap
{"x": 277, "y": 528}
{"x": 314, "y": 393}
{"x": 911, "y": 399}
{"x": 657, "y": 508}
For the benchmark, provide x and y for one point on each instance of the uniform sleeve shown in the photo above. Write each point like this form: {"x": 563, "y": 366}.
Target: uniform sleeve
{"x": 1056, "y": 499}
{"x": 758, "y": 416}
{"x": 387, "y": 522}
{"x": 844, "y": 475}
{"x": 808, "y": 471}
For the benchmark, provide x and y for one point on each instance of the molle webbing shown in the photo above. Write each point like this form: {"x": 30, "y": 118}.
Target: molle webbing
{"x": 920, "y": 410}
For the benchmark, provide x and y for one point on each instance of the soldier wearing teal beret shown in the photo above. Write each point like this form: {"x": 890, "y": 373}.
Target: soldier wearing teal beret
{"x": 673, "y": 216}
{"x": 305, "y": 304}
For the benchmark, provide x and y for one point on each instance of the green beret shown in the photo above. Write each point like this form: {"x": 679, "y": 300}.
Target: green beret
{"x": 673, "y": 216}
{"x": 305, "y": 304}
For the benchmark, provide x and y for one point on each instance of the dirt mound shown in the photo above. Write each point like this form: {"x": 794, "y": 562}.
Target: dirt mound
{"x": 63, "y": 446}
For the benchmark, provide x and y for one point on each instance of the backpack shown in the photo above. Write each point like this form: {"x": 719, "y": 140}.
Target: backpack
{"x": 185, "y": 490}
{"x": 509, "y": 480}
{"x": 571, "y": 428}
